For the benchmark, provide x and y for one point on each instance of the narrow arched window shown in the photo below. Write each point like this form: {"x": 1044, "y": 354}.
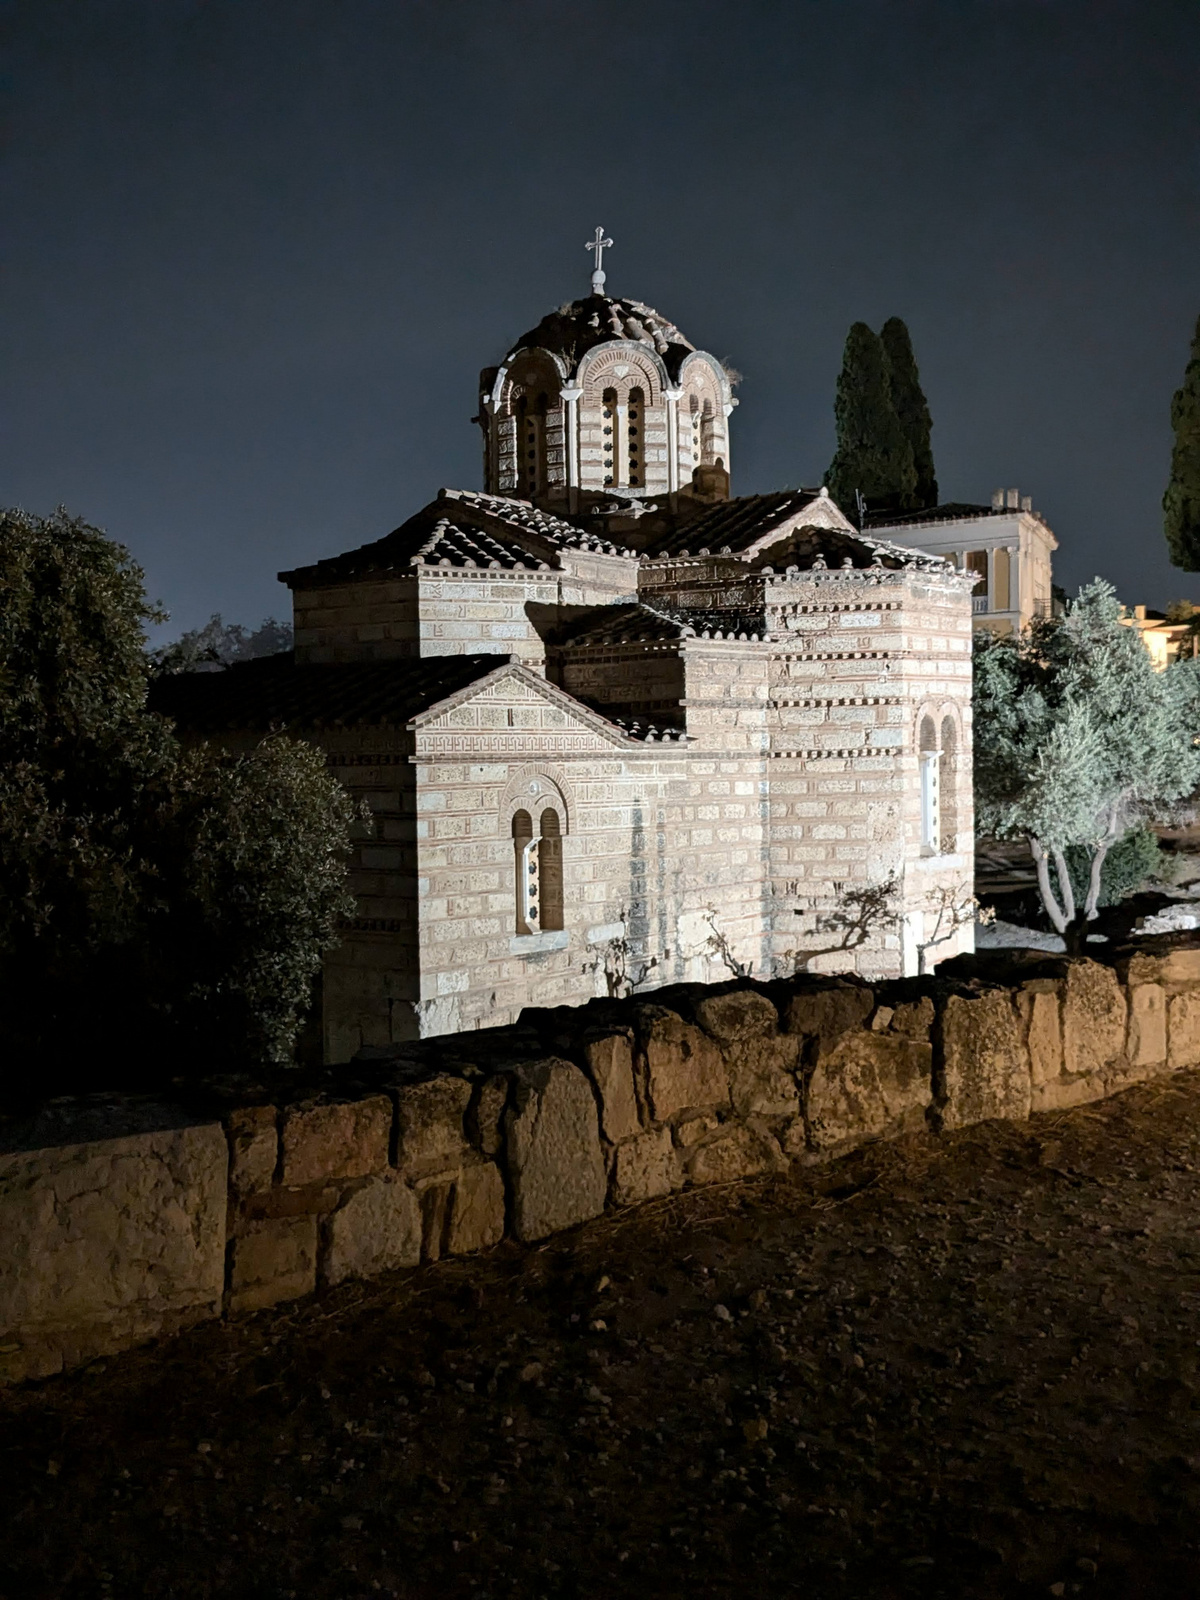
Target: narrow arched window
{"x": 695, "y": 421}
{"x": 707, "y": 451}
{"x": 609, "y": 430}
{"x": 635, "y": 438}
{"x": 551, "y": 866}
{"x": 948, "y": 787}
{"x": 930, "y": 760}
{"x": 531, "y": 444}
{"x": 525, "y": 859}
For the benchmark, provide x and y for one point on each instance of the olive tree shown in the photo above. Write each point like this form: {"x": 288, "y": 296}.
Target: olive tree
{"x": 1078, "y": 740}
{"x": 159, "y": 903}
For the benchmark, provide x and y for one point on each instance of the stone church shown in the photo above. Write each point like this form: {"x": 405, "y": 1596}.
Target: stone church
{"x": 618, "y": 728}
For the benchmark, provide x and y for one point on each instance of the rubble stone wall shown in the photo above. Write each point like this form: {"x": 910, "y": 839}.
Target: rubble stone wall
{"x": 450, "y": 1145}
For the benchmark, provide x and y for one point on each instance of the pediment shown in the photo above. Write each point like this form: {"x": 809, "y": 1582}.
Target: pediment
{"x": 512, "y": 710}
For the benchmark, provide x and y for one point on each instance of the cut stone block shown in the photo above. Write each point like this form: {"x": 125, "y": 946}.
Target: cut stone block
{"x": 868, "y": 1086}
{"x": 253, "y": 1149}
{"x": 1184, "y": 1029}
{"x": 761, "y": 1075}
{"x": 555, "y": 1166}
{"x": 376, "y": 1229}
{"x": 487, "y": 1131}
{"x": 739, "y": 1153}
{"x": 1094, "y": 1015}
{"x": 1147, "y": 1046}
{"x": 109, "y": 1242}
{"x": 829, "y": 1013}
{"x": 610, "y": 1063}
{"x": 340, "y": 1141}
{"x": 985, "y": 1061}
{"x": 476, "y": 1209}
{"x": 271, "y": 1262}
{"x": 740, "y": 1014}
{"x": 430, "y": 1120}
{"x": 685, "y": 1069}
{"x": 644, "y": 1168}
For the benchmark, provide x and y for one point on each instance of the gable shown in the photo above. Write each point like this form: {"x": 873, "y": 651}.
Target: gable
{"x": 514, "y": 714}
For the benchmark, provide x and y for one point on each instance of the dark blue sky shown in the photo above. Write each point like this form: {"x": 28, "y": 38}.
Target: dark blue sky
{"x": 257, "y": 250}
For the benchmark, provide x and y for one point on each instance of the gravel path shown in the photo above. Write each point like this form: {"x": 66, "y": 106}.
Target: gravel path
{"x": 963, "y": 1366}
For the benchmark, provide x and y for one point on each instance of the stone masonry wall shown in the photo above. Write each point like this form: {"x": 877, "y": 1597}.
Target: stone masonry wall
{"x": 449, "y": 1146}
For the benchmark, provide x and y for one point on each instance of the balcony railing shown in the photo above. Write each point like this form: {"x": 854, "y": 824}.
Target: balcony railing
{"x": 979, "y": 602}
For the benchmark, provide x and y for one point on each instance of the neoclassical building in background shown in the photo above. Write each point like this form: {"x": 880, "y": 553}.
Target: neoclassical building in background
{"x": 617, "y": 728}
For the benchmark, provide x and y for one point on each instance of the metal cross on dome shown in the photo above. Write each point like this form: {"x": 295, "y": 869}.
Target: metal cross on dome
{"x": 598, "y": 246}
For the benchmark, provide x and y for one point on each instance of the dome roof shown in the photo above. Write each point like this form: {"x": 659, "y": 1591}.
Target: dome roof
{"x": 573, "y": 329}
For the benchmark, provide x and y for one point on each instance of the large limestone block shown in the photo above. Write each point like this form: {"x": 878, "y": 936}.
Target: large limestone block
{"x": 348, "y": 1140}
{"x": 868, "y": 1086}
{"x": 762, "y": 1075}
{"x": 272, "y": 1261}
{"x": 829, "y": 1013}
{"x": 644, "y": 1168}
{"x": 476, "y": 1209}
{"x": 109, "y": 1242}
{"x": 485, "y": 1117}
{"x": 737, "y": 1153}
{"x": 684, "y": 1068}
{"x": 1147, "y": 1045}
{"x": 253, "y": 1149}
{"x": 739, "y": 1014}
{"x": 555, "y": 1167}
{"x": 376, "y": 1229}
{"x": 1184, "y": 1029}
{"x": 985, "y": 1062}
{"x": 1094, "y": 1016}
{"x": 610, "y": 1064}
{"x": 1038, "y": 1004}
{"x": 430, "y": 1120}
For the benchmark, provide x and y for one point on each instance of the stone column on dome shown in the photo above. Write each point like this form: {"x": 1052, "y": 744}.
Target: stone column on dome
{"x": 672, "y": 398}
{"x": 571, "y": 394}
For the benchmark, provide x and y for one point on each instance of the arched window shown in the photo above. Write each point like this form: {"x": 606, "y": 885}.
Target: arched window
{"x": 635, "y": 435}
{"x": 525, "y": 854}
{"x": 706, "y": 434}
{"x": 948, "y": 787}
{"x": 609, "y": 428}
{"x": 695, "y": 420}
{"x": 930, "y": 759}
{"x": 551, "y": 871}
{"x": 531, "y": 445}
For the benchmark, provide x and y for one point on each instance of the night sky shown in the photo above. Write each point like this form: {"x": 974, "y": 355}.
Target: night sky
{"x": 256, "y": 251}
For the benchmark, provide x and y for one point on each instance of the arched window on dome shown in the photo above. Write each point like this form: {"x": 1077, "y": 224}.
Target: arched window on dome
{"x": 707, "y": 451}
{"x": 635, "y": 437}
{"x": 610, "y": 430}
{"x": 531, "y": 444}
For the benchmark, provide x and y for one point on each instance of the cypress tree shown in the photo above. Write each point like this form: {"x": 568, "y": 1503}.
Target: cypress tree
{"x": 1181, "y": 503}
{"x": 873, "y": 456}
{"x": 911, "y": 408}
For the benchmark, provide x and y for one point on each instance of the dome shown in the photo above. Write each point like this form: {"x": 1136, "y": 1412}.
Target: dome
{"x": 574, "y": 329}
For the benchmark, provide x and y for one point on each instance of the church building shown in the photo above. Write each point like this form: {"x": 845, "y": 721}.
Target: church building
{"x": 616, "y": 727}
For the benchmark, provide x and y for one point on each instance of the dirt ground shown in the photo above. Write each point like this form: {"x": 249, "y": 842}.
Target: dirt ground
{"x": 957, "y": 1366}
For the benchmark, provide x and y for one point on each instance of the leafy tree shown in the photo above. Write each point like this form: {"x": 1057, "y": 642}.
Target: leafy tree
{"x": 874, "y": 458}
{"x": 1078, "y": 740}
{"x": 1181, "y": 502}
{"x": 166, "y": 902}
{"x": 219, "y": 644}
{"x": 1130, "y": 864}
{"x": 911, "y": 407}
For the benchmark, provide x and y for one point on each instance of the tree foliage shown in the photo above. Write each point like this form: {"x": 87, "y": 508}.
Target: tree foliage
{"x": 874, "y": 459}
{"x": 1078, "y": 740}
{"x": 912, "y": 409}
{"x": 158, "y": 899}
{"x": 219, "y": 644}
{"x": 1181, "y": 502}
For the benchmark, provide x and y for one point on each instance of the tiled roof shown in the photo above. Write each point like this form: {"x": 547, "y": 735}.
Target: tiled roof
{"x": 574, "y": 329}
{"x": 274, "y": 692}
{"x": 461, "y": 529}
{"x": 734, "y": 525}
{"x": 638, "y": 624}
